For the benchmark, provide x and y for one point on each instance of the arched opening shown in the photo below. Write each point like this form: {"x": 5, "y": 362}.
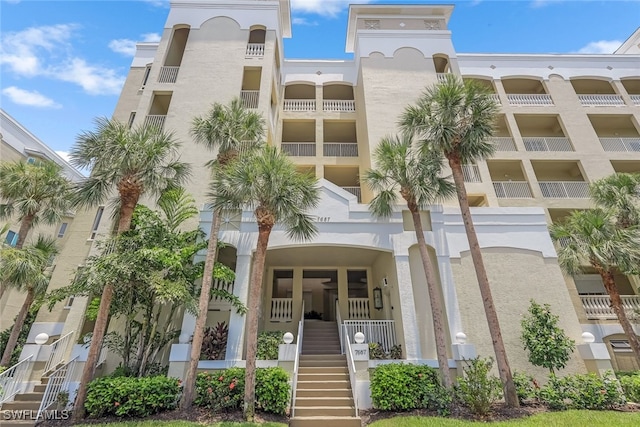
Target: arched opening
{"x": 255, "y": 45}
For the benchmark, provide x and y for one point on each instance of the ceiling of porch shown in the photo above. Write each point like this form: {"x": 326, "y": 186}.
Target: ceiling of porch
{"x": 322, "y": 256}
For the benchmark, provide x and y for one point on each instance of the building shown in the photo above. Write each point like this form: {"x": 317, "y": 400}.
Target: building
{"x": 565, "y": 120}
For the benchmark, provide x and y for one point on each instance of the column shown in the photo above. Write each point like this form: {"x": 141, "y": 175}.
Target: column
{"x": 407, "y": 308}
{"x": 235, "y": 342}
{"x": 343, "y": 293}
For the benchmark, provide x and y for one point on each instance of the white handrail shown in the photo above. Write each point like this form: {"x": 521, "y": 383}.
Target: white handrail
{"x": 12, "y": 380}
{"x": 339, "y": 322}
{"x": 296, "y": 365}
{"x": 58, "y": 351}
{"x": 352, "y": 370}
{"x": 58, "y": 382}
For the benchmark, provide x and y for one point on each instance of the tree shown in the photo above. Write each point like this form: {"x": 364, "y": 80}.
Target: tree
{"x": 267, "y": 182}
{"x": 25, "y": 269}
{"x": 546, "y": 342}
{"x": 402, "y": 168}
{"x": 133, "y": 162}
{"x": 620, "y": 192}
{"x": 36, "y": 193}
{"x": 456, "y": 119}
{"x": 591, "y": 237}
{"x": 231, "y": 130}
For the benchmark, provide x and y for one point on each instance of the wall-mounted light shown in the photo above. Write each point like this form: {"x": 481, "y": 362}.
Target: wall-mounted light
{"x": 377, "y": 298}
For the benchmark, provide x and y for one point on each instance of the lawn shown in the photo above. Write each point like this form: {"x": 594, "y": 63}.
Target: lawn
{"x": 183, "y": 424}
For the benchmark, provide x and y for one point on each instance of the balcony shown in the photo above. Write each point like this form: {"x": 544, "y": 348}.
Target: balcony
{"x": 564, "y": 189}
{"x": 255, "y": 50}
{"x": 471, "y": 173}
{"x": 299, "y": 105}
{"x": 340, "y": 149}
{"x": 299, "y": 149}
{"x": 512, "y": 189}
{"x": 355, "y": 190}
{"x": 621, "y": 144}
{"x": 530, "y": 99}
{"x": 168, "y": 74}
{"x": 635, "y": 99}
{"x": 338, "y": 98}
{"x": 594, "y": 100}
{"x": 547, "y": 143}
{"x": 250, "y": 98}
{"x": 339, "y": 105}
{"x": 504, "y": 143}
{"x": 599, "y": 306}
{"x": 155, "y": 120}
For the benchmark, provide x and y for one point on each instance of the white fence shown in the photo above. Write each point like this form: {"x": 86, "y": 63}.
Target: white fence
{"x": 376, "y": 331}
{"x": 504, "y": 143}
{"x": 534, "y": 99}
{"x": 599, "y": 306}
{"x": 340, "y": 149}
{"x": 12, "y": 381}
{"x": 565, "y": 189}
{"x": 471, "y": 173}
{"x": 299, "y": 105}
{"x": 596, "y": 100}
{"x": 547, "y": 143}
{"x": 621, "y": 144}
{"x": 168, "y": 74}
{"x": 281, "y": 309}
{"x": 339, "y": 105}
{"x": 358, "y": 308}
{"x": 512, "y": 189}
{"x": 58, "y": 351}
{"x": 255, "y": 50}
{"x": 250, "y": 98}
{"x": 299, "y": 149}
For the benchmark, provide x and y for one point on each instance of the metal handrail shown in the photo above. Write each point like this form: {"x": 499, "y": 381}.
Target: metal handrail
{"x": 58, "y": 351}
{"x": 296, "y": 365}
{"x": 352, "y": 370}
{"x": 339, "y": 322}
{"x": 12, "y": 379}
{"x": 58, "y": 381}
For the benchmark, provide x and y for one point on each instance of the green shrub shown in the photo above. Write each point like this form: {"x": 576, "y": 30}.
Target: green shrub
{"x": 131, "y": 397}
{"x": 631, "y": 386}
{"x": 478, "y": 389}
{"x": 582, "y": 391}
{"x": 403, "y": 387}
{"x": 268, "y": 342}
{"x": 526, "y": 386}
{"x": 224, "y": 390}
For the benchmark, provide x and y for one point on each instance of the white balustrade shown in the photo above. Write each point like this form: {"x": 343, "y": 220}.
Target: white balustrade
{"x": 471, "y": 173}
{"x": 496, "y": 98}
{"x": 58, "y": 381}
{"x": 592, "y": 100}
{"x": 635, "y": 99}
{"x": 219, "y": 285}
{"x": 564, "y": 189}
{"x": 355, "y": 191}
{"x": 504, "y": 143}
{"x": 255, "y": 50}
{"x": 352, "y": 371}
{"x": 13, "y": 380}
{"x": 58, "y": 351}
{"x": 168, "y": 74}
{"x": 547, "y": 143}
{"x": 281, "y": 309}
{"x": 299, "y": 105}
{"x": 250, "y": 98}
{"x": 340, "y": 149}
{"x": 376, "y": 331}
{"x": 599, "y": 306}
{"x": 155, "y": 120}
{"x": 621, "y": 144}
{"x": 512, "y": 189}
{"x": 442, "y": 77}
{"x": 358, "y": 308}
{"x": 535, "y": 99}
{"x": 299, "y": 149}
{"x": 339, "y": 105}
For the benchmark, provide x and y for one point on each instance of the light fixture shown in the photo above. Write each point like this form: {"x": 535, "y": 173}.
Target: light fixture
{"x": 358, "y": 337}
{"x": 588, "y": 337}
{"x": 461, "y": 338}
{"x": 288, "y": 338}
{"x": 377, "y": 298}
{"x": 41, "y": 338}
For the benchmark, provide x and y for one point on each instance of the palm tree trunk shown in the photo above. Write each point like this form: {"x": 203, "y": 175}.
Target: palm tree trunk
{"x": 616, "y": 304}
{"x": 510, "y": 395}
{"x": 435, "y": 300}
{"x": 203, "y": 307}
{"x": 25, "y": 226}
{"x": 253, "y": 315}
{"x": 17, "y": 328}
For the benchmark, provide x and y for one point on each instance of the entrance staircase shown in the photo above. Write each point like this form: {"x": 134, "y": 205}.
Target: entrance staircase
{"x": 323, "y": 396}
{"x": 23, "y": 410}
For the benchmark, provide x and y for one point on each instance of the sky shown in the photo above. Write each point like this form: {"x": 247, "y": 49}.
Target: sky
{"x": 63, "y": 63}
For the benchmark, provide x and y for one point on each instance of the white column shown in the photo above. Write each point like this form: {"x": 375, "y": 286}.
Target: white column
{"x": 235, "y": 342}
{"x": 407, "y": 308}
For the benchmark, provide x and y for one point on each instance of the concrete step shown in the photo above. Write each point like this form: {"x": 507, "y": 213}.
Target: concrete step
{"x": 323, "y": 370}
{"x": 325, "y": 421}
{"x": 323, "y": 401}
{"x": 40, "y": 388}
{"x": 29, "y": 397}
{"x": 327, "y": 351}
{"x": 340, "y": 357}
{"x": 325, "y": 411}
{"x": 322, "y": 377}
{"x": 316, "y": 362}
{"x": 324, "y": 384}
{"x": 19, "y": 405}
{"x": 8, "y": 421}
{"x": 323, "y": 392}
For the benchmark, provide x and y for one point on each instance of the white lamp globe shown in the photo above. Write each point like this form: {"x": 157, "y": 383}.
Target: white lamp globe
{"x": 461, "y": 338}
{"x": 41, "y": 338}
{"x": 588, "y": 337}
{"x": 359, "y": 337}
{"x": 288, "y": 338}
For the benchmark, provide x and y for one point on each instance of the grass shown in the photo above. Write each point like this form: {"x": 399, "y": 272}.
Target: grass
{"x": 548, "y": 419}
{"x": 183, "y": 424}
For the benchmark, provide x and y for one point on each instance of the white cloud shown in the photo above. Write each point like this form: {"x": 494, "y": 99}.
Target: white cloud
{"x": 29, "y": 98}
{"x": 158, "y": 3}
{"x": 323, "y": 7}
{"x": 127, "y": 47}
{"x": 601, "y": 46}
{"x": 94, "y": 80}
{"x": 303, "y": 21}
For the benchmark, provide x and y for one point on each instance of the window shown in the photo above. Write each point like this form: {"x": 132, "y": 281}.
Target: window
{"x": 132, "y": 117}
{"x": 31, "y": 160}
{"x": 12, "y": 238}
{"x": 96, "y": 223}
{"x": 69, "y": 302}
{"x": 63, "y": 228}
{"x": 146, "y": 76}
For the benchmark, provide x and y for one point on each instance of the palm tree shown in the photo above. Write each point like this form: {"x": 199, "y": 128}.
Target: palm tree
{"x": 402, "y": 168}
{"x": 620, "y": 192}
{"x": 37, "y": 192}
{"x": 231, "y": 129}
{"x": 592, "y": 236}
{"x": 25, "y": 269}
{"x": 267, "y": 182}
{"x": 133, "y": 162}
{"x": 456, "y": 119}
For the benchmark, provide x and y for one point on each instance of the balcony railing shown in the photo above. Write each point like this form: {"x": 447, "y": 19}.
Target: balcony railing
{"x": 565, "y": 189}
{"x": 621, "y": 144}
{"x": 598, "y": 100}
{"x": 547, "y": 143}
{"x": 250, "y": 98}
{"x": 635, "y": 99}
{"x": 155, "y": 120}
{"x": 504, "y": 143}
{"x": 340, "y": 149}
{"x": 512, "y": 189}
{"x": 471, "y": 173}
{"x": 339, "y": 105}
{"x": 442, "y": 77}
{"x": 355, "y": 191}
{"x": 281, "y": 309}
{"x": 168, "y": 74}
{"x": 255, "y": 50}
{"x": 599, "y": 306}
{"x": 219, "y": 285}
{"x": 530, "y": 99}
{"x": 358, "y": 308}
{"x": 496, "y": 98}
{"x": 379, "y": 331}
{"x": 299, "y": 149}
{"x": 299, "y": 105}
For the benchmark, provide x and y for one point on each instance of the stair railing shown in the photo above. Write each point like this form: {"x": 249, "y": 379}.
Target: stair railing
{"x": 352, "y": 369}
{"x": 58, "y": 381}
{"x": 296, "y": 365}
{"x": 58, "y": 351}
{"x": 12, "y": 380}
{"x": 339, "y": 322}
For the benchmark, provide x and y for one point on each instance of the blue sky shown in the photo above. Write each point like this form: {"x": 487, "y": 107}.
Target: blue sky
{"x": 62, "y": 63}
